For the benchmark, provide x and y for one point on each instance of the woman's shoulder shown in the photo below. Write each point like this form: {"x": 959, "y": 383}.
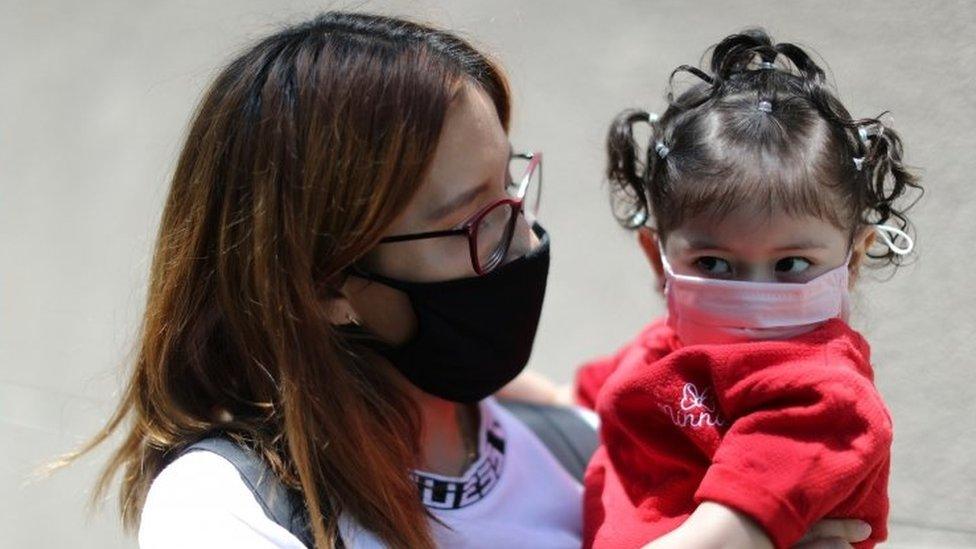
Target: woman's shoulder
{"x": 566, "y": 433}
{"x": 200, "y": 500}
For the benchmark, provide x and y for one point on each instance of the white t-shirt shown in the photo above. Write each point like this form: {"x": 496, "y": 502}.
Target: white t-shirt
{"x": 515, "y": 495}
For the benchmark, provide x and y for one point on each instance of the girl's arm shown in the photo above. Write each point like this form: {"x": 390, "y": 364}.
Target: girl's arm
{"x": 808, "y": 436}
{"x": 714, "y": 525}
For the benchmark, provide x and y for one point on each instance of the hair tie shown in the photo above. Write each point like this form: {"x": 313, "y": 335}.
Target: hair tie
{"x": 767, "y": 66}
{"x": 661, "y": 148}
{"x": 639, "y": 218}
{"x": 885, "y": 232}
{"x": 765, "y": 106}
{"x": 866, "y": 132}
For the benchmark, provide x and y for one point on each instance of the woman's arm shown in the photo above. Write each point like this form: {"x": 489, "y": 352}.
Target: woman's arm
{"x": 713, "y": 525}
{"x": 653, "y": 340}
{"x": 531, "y": 386}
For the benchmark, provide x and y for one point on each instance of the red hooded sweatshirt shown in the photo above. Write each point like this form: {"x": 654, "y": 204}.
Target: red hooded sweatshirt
{"x": 787, "y": 432}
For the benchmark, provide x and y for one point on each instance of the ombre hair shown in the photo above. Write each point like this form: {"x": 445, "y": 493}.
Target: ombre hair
{"x": 300, "y": 154}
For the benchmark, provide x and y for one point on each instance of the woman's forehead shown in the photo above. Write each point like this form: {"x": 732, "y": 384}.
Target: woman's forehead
{"x": 472, "y": 149}
{"x": 472, "y": 140}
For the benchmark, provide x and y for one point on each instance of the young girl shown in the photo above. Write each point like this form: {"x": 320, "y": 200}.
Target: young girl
{"x": 756, "y": 202}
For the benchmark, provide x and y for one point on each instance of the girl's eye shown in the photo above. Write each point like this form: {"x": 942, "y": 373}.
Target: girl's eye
{"x": 792, "y": 265}
{"x": 714, "y": 266}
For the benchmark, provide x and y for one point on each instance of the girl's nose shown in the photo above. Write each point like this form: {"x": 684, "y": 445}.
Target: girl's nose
{"x": 756, "y": 273}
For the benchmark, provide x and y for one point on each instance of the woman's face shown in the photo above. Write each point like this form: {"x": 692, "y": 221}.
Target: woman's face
{"x": 469, "y": 171}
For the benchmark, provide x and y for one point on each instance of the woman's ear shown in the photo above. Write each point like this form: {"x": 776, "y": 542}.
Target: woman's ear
{"x": 382, "y": 310}
{"x": 648, "y": 240}
{"x": 340, "y": 309}
{"x": 863, "y": 241}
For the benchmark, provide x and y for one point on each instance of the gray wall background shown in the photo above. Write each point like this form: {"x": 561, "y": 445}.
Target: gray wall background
{"x": 95, "y": 96}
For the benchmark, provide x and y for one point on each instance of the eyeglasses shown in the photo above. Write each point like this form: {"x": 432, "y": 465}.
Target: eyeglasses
{"x": 490, "y": 230}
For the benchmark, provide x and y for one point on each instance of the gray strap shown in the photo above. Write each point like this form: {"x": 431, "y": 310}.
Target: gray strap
{"x": 277, "y": 502}
{"x": 567, "y": 435}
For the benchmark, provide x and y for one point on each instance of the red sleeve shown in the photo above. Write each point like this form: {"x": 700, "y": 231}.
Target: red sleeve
{"x": 655, "y": 338}
{"x": 808, "y": 426}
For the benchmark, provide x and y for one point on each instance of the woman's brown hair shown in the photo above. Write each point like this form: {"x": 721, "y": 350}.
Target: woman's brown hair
{"x": 300, "y": 154}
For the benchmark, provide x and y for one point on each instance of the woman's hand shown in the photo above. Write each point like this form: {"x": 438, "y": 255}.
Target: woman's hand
{"x": 713, "y": 525}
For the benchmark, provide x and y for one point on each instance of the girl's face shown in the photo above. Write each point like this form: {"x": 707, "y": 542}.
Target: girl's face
{"x": 758, "y": 246}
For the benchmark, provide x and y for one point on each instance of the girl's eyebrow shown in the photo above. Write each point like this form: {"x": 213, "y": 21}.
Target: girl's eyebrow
{"x": 697, "y": 244}
{"x": 803, "y": 245}
{"x": 704, "y": 244}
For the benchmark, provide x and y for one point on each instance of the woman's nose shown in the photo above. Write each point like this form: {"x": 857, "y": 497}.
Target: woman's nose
{"x": 523, "y": 241}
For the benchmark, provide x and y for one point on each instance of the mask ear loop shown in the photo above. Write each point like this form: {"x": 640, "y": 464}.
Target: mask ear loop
{"x": 664, "y": 258}
{"x": 883, "y": 233}
{"x": 850, "y": 254}
{"x": 665, "y": 265}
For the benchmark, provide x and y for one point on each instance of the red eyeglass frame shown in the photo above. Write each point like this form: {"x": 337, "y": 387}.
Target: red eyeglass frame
{"x": 469, "y": 227}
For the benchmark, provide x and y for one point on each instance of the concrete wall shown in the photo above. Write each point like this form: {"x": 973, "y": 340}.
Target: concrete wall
{"x": 94, "y": 98}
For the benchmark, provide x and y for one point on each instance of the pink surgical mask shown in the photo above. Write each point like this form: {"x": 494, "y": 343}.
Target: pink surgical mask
{"x": 706, "y": 310}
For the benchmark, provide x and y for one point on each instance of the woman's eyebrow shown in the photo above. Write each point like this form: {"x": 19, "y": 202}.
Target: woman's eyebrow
{"x": 459, "y": 202}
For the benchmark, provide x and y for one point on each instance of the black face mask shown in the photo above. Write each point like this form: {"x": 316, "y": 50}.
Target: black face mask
{"x": 474, "y": 335}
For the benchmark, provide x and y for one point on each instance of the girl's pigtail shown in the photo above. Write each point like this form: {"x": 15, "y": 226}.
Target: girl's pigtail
{"x": 807, "y": 67}
{"x": 737, "y": 52}
{"x": 886, "y": 182}
{"x": 627, "y": 168}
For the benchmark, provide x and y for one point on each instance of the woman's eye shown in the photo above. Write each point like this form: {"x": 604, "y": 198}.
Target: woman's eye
{"x": 792, "y": 265}
{"x": 510, "y": 185}
{"x": 713, "y": 265}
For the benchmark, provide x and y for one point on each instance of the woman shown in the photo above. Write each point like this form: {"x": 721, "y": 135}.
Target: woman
{"x": 347, "y": 269}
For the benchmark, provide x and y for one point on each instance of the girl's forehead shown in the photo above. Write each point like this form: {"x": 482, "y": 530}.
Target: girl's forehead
{"x": 756, "y": 230}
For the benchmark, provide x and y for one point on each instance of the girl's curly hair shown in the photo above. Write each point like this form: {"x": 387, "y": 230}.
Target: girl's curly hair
{"x": 761, "y": 128}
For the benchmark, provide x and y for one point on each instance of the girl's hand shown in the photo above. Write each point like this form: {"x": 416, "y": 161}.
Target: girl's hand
{"x": 834, "y": 534}
{"x": 713, "y": 525}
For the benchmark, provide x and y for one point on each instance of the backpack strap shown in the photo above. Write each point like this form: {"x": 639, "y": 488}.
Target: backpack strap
{"x": 569, "y": 437}
{"x": 278, "y": 502}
